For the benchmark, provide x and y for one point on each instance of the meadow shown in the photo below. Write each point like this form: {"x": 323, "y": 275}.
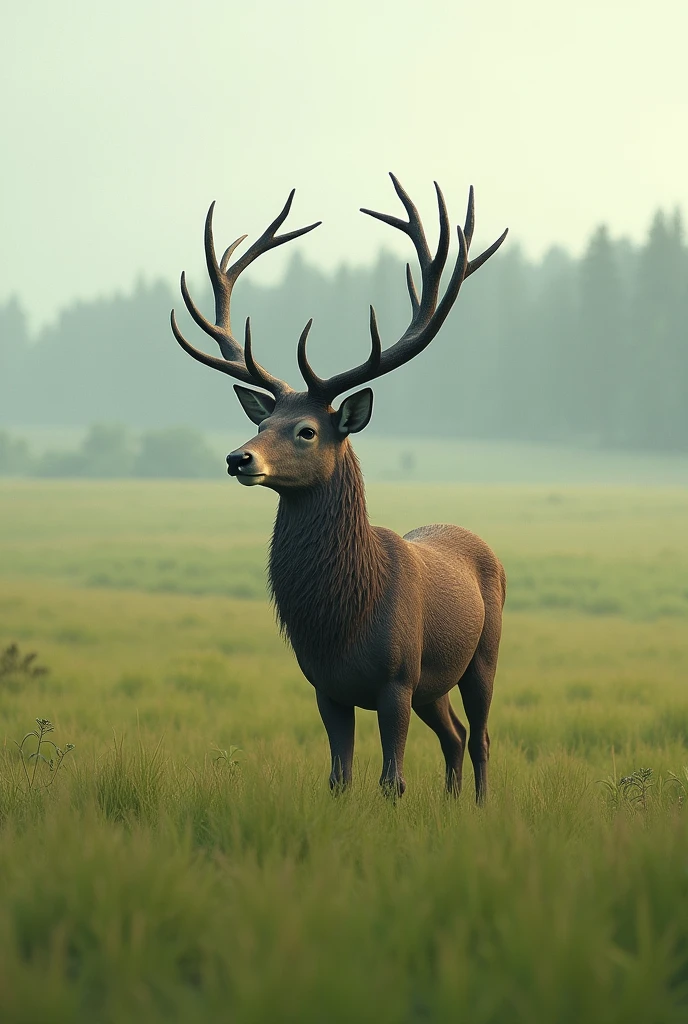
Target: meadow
{"x": 185, "y": 858}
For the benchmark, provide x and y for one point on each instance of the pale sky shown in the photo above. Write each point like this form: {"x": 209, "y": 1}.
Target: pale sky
{"x": 122, "y": 121}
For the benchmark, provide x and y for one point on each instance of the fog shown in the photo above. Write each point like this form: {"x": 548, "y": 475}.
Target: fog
{"x": 121, "y": 124}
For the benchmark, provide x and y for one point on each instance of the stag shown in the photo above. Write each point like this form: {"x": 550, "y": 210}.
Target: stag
{"x": 376, "y": 620}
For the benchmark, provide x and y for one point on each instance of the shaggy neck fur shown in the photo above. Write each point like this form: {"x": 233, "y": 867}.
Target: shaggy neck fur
{"x": 327, "y": 567}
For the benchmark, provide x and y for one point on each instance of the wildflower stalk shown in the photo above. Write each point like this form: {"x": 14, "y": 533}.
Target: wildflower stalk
{"x": 45, "y": 726}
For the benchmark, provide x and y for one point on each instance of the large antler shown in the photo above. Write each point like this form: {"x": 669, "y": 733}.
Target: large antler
{"x": 427, "y": 315}
{"x": 236, "y": 362}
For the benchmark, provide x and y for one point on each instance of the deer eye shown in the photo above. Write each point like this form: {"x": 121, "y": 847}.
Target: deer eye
{"x": 307, "y": 433}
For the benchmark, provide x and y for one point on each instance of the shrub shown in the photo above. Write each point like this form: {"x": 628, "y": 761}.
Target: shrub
{"x": 16, "y": 667}
{"x": 176, "y": 452}
{"x": 15, "y": 457}
{"x": 106, "y": 451}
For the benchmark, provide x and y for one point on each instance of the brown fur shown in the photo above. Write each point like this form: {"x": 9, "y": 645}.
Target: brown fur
{"x": 329, "y": 599}
{"x": 376, "y": 620}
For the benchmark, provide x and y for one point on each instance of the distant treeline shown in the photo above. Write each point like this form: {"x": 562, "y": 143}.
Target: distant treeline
{"x": 111, "y": 450}
{"x": 591, "y": 350}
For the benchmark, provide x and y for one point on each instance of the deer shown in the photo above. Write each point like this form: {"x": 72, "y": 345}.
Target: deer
{"x": 377, "y": 621}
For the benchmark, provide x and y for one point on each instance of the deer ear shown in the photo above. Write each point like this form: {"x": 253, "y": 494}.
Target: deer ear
{"x": 354, "y": 413}
{"x": 256, "y": 405}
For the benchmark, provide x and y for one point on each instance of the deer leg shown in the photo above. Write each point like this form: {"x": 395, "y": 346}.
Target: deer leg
{"x": 393, "y": 717}
{"x": 443, "y": 720}
{"x": 476, "y": 692}
{"x": 339, "y": 722}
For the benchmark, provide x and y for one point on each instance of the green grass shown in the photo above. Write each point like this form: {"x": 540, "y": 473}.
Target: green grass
{"x": 157, "y": 880}
{"x": 597, "y": 552}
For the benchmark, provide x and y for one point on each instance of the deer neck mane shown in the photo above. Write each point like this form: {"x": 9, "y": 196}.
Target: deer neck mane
{"x": 327, "y": 566}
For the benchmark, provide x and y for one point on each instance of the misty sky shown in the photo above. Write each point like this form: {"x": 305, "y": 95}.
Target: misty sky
{"x": 122, "y": 121}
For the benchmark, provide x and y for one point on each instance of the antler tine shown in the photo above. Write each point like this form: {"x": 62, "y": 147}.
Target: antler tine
{"x": 229, "y": 250}
{"x": 432, "y": 271}
{"x": 237, "y": 362}
{"x": 236, "y": 370}
{"x": 328, "y": 389}
{"x": 222, "y": 289}
{"x": 453, "y": 288}
{"x": 269, "y": 240}
{"x": 428, "y": 314}
{"x": 233, "y": 363}
{"x": 431, "y": 268}
{"x": 469, "y": 224}
{"x": 415, "y": 226}
{"x": 213, "y": 330}
{"x": 413, "y": 294}
{"x": 475, "y": 264}
{"x": 484, "y": 256}
{"x": 376, "y": 344}
{"x": 259, "y": 374}
{"x": 443, "y": 242}
{"x": 314, "y": 383}
{"x": 411, "y": 227}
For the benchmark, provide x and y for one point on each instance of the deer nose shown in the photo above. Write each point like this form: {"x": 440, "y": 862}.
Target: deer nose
{"x": 237, "y": 459}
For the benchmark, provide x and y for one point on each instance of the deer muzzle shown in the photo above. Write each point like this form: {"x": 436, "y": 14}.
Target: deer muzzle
{"x": 244, "y": 466}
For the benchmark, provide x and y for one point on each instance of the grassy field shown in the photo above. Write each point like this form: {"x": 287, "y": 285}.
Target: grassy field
{"x": 160, "y": 875}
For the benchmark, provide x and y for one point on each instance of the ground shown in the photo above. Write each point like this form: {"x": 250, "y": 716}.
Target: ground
{"x": 164, "y": 876}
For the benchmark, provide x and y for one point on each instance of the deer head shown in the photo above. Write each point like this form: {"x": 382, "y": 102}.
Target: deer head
{"x": 301, "y": 436}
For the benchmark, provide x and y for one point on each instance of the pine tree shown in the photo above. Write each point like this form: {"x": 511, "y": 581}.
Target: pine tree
{"x": 15, "y": 359}
{"x": 600, "y": 372}
{"x": 659, "y": 337}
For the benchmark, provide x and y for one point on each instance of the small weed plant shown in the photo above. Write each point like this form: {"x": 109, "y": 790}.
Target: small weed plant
{"x": 16, "y": 667}
{"x": 228, "y": 759}
{"x": 635, "y": 787}
{"x": 634, "y": 790}
{"x": 681, "y": 783}
{"x": 30, "y": 761}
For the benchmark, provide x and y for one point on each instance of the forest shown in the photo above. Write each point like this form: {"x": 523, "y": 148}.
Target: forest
{"x": 590, "y": 351}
